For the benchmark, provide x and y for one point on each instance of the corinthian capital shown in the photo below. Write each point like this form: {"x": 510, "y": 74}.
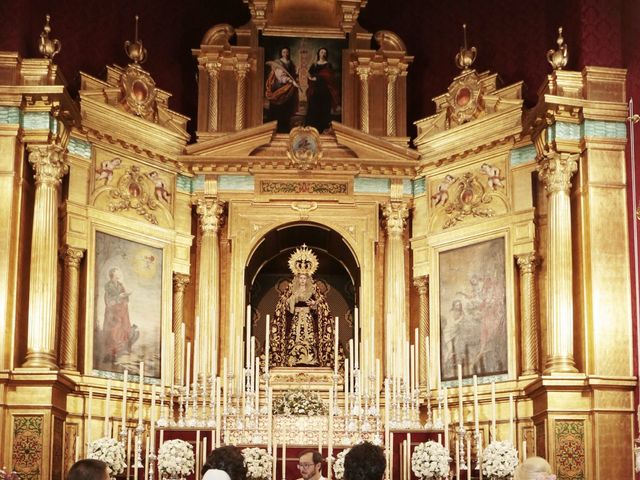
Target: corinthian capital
{"x": 555, "y": 171}
{"x": 48, "y": 163}
{"x": 71, "y": 256}
{"x": 241, "y": 69}
{"x": 180, "y": 281}
{"x": 422, "y": 284}
{"x": 363, "y": 72}
{"x": 527, "y": 262}
{"x": 210, "y": 210}
{"x": 395, "y": 215}
{"x": 213, "y": 68}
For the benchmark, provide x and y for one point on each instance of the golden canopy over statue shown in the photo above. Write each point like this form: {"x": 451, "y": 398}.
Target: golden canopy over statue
{"x": 302, "y": 330}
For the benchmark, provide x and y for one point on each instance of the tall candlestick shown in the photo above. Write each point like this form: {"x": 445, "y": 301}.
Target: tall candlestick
{"x": 336, "y": 337}
{"x": 146, "y": 457}
{"x": 124, "y": 397}
{"x": 511, "y": 423}
{"x": 357, "y": 338}
{"x": 247, "y": 362}
{"x": 270, "y": 420}
{"x": 469, "y": 467}
{"x": 224, "y": 384}
{"x": 183, "y": 334}
{"x": 218, "y": 412}
{"x": 266, "y": 343}
{"x": 460, "y": 394}
{"x": 427, "y": 365}
{"x": 152, "y": 429}
{"x": 446, "y": 419}
{"x": 252, "y": 355}
{"x": 187, "y": 378}
{"x": 89, "y": 410}
{"x": 347, "y": 376}
{"x": 196, "y": 349}
{"x": 493, "y": 432}
{"x": 377, "y": 385}
{"x": 412, "y": 385}
{"x": 107, "y": 411}
{"x": 476, "y": 413}
{"x": 141, "y": 393}
{"x": 128, "y": 458}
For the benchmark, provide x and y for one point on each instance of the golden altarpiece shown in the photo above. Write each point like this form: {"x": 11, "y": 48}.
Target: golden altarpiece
{"x": 501, "y": 237}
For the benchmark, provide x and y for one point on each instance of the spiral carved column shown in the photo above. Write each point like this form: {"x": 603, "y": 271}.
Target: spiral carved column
{"x": 241, "y": 97}
{"x": 363, "y": 73}
{"x": 422, "y": 284}
{"x": 529, "y": 314}
{"x": 392, "y": 76}
{"x": 70, "y": 296}
{"x": 214, "y": 73}
{"x": 395, "y": 214}
{"x": 210, "y": 213}
{"x": 555, "y": 171}
{"x": 49, "y": 166}
{"x": 180, "y": 282}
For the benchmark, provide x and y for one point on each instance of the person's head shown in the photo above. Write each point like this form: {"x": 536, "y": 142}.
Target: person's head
{"x": 302, "y": 279}
{"x": 88, "y": 469}
{"x": 322, "y": 54}
{"x": 534, "y": 468}
{"x": 310, "y": 464}
{"x": 285, "y": 53}
{"x": 365, "y": 461}
{"x": 115, "y": 274}
{"x": 228, "y": 459}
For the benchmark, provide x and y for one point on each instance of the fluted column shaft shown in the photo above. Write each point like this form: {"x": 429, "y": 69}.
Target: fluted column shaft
{"x": 422, "y": 284}
{"x": 210, "y": 212}
{"x": 70, "y": 296}
{"x": 529, "y": 314}
{"x": 214, "y": 72}
{"x": 180, "y": 281}
{"x": 363, "y": 74}
{"x": 392, "y": 76}
{"x": 49, "y": 166}
{"x": 555, "y": 171}
{"x": 241, "y": 97}
{"x": 395, "y": 215}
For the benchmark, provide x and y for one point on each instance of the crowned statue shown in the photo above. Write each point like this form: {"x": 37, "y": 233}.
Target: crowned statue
{"x": 302, "y": 330}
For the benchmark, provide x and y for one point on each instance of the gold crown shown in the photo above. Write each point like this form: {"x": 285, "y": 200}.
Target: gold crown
{"x": 303, "y": 260}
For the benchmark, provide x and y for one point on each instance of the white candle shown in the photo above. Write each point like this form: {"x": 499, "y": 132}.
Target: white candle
{"x": 107, "y": 412}
{"x": 172, "y": 360}
{"x": 460, "y": 394}
{"x": 511, "y": 422}
{"x": 357, "y": 338}
{"x": 124, "y": 397}
{"x": 218, "y": 412}
{"x": 336, "y": 337}
{"x": 524, "y": 450}
{"x": 183, "y": 360}
{"x": 346, "y": 379}
{"x": 446, "y": 419}
{"x": 152, "y": 429}
{"x": 270, "y": 420}
{"x": 377, "y": 385}
{"x": 89, "y": 410}
{"x": 469, "y": 466}
{"x": 248, "y": 339}
{"x": 204, "y": 453}
{"x": 284, "y": 460}
{"x": 146, "y": 457}
{"x": 267, "y": 334}
{"x": 224, "y": 384}
{"x": 416, "y": 353}
{"x": 427, "y": 363}
{"x": 412, "y": 358}
{"x": 196, "y": 349}
{"x": 141, "y": 393}
{"x": 128, "y": 453}
{"x": 257, "y": 385}
{"x": 187, "y": 378}
{"x": 493, "y": 432}
{"x": 476, "y": 413}
{"x": 252, "y": 355}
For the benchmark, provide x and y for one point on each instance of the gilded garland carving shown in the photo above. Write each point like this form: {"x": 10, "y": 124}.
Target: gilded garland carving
{"x": 48, "y": 163}
{"x": 555, "y": 171}
{"x": 210, "y": 211}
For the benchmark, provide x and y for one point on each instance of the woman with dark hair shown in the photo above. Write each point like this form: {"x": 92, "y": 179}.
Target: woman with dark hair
{"x": 323, "y": 94}
{"x": 225, "y": 463}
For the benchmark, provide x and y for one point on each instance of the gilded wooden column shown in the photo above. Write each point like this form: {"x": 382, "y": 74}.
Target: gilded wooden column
{"x": 214, "y": 73}
{"x": 70, "y": 296}
{"x": 241, "y": 97}
{"x": 529, "y": 314}
{"x": 422, "y": 284}
{"x": 555, "y": 171}
{"x": 180, "y": 281}
{"x": 392, "y": 76}
{"x": 49, "y": 166}
{"x": 210, "y": 212}
{"x": 363, "y": 73}
{"x": 395, "y": 214}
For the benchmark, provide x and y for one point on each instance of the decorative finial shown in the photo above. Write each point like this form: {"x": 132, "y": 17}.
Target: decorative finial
{"x": 48, "y": 48}
{"x": 134, "y": 50}
{"x": 559, "y": 58}
{"x": 466, "y": 56}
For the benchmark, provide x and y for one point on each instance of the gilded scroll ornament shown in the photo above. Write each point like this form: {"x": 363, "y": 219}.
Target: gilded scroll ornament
{"x": 304, "y": 148}
{"x": 465, "y": 98}
{"x": 131, "y": 193}
{"x": 470, "y": 198}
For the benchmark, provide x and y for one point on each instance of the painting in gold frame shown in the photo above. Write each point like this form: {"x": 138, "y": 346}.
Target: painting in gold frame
{"x": 473, "y": 310}
{"x": 127, "y": 305}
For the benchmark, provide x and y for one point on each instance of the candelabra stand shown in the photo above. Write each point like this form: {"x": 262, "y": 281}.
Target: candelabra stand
{"x": 478, "y": 439}
{"x": 438, "y": 424}
{"x": 123, "y": 435}
{"x": 462, "y": 458}
{"x": 212, "y": 403}
{"x": 152, "y": 461}
{"x": 162, "y": 421}
{"x": 336, "y": 378}
{"x": 192, "y": 413}
{"x": 181, "y": 422}
{"x": 429, "y": 423}
{"x": 139, "y": 433}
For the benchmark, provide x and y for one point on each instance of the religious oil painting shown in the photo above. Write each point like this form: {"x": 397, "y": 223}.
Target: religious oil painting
{"x": 303, "y": 82}
{"x": 473, "y": 312}
{"x": 127, "y": 306}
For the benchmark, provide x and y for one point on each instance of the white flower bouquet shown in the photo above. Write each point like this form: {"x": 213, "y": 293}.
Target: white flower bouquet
{"x": 300, "y": 402}
{"x": 259, "y": 463}
{"x": 175, "y": 459}
{"x": 430, "y": 460}
{"x": 338, "y": 465}
{"x": 499, "y": 460}
{"x": 111, "y": 452}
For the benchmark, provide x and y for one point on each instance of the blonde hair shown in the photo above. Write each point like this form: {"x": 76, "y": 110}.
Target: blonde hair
{"x": 534, "y": 468}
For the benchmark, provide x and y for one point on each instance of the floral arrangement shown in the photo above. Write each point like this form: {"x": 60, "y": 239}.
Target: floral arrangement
{"x": 259, "y": 463}
{"x": 499, "y": 460}
{"x": 430, "y": 460}
{"x": 338, "y": 465}
{"x": 175, "y": 458}
{"x": 300, "y": 402}
{"x": 111, "y": 452}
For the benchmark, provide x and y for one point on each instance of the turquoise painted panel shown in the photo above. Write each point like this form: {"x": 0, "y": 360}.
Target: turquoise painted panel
{"x": 9, "y": 115}
{"x": 245, "y": 183}
{"x": 183, "y": 184}
{"x": 568, "y": 131}
{"x": 371, "y": 185}
{"x": 407, "y": 187}
{"x": 419, "y": 186}
{"x": 522, "y": 155}
{"x": 36, "y": 121}
{"x": 604, "y": 129}
{"x": 481, "y": 380}
{"x": 80, "y": 148}
{"x": 197, "y": 183}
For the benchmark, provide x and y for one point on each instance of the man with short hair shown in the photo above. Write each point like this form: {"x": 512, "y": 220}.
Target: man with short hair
{"x": 310, "y": 465}
{"x": 88, "y": 469}
{"x": 365, "y": 462}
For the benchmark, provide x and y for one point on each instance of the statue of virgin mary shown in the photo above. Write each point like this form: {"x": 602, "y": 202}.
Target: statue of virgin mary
{"x": 302, "y": 331}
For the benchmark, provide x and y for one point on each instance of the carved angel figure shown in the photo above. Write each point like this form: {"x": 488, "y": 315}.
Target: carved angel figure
{"x": 494, "y": 179}
{"x": 442, "y": 194}
{"x": 105, "y": 172}
{"x": 161, "y": 188}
